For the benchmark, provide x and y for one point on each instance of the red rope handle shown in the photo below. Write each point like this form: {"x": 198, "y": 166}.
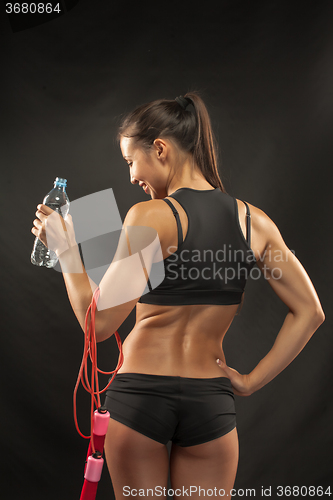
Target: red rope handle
{"x": 90, "y": 350}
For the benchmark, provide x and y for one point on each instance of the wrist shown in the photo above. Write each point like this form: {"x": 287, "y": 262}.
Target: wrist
{"x": 249, "y": 386}
{"x": 256, "y": 380}
{"x": 70, "y": 260}
{"x": 65, "y": 247}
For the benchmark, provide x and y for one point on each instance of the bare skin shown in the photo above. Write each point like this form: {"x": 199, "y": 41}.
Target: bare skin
{"x": 185, "y": 341}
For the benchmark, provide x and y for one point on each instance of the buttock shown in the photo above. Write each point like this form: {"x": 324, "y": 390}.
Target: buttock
{"x": 186, "y": 411}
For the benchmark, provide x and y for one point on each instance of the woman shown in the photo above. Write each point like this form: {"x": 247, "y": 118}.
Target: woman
{"x": 174, "y": 383}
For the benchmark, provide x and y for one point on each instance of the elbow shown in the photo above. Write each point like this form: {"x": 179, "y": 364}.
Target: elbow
{"x": 317, "y": 316}
{"x": 102, "y": 334}
{"x": 101, "y": 331}
{"x": 320, "y": 316}
{"x": 314, "y": 315}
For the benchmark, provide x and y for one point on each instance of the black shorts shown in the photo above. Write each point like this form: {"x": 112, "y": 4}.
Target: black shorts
{"x": 186, "y": 411}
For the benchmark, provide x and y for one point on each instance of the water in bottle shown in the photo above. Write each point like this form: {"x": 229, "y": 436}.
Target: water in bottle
{"x": 56, "y": 199}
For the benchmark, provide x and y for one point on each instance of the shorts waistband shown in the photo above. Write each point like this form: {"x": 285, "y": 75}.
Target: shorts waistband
{"x": 149, "y": 376}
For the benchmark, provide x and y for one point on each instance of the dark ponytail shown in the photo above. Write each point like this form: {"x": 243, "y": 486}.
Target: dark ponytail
{"x": 190, "y": 128}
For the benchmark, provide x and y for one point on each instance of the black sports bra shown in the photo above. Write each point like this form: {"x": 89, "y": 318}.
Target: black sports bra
{"x": 213, "y": 262}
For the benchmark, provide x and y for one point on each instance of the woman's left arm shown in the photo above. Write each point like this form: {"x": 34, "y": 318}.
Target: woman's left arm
{"x": 291, "y": 283}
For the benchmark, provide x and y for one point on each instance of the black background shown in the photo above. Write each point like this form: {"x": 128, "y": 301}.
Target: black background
{"x": 264, "y": 69}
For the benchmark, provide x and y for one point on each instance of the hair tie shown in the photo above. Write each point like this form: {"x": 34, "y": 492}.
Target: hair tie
{"x": 183, "y": 101}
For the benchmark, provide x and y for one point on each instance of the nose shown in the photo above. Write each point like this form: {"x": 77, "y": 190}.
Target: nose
{"x": 133, "y": 180}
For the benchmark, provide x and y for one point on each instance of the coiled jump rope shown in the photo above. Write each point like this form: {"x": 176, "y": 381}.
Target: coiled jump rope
{"x": 99, "y": 417}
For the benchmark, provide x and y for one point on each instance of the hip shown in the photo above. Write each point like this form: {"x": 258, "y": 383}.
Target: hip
{"x": 171, "y": 387}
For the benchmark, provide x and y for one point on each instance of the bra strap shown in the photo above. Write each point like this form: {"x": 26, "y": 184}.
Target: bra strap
{"x": 176, "y": 214}
{"x": 248, "y": 223}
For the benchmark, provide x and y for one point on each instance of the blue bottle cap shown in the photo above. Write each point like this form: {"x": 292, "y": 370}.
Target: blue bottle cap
{"x": 60, "y": 182}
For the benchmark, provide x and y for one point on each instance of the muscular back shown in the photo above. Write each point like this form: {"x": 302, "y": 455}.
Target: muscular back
{"x": 181, "y": 340}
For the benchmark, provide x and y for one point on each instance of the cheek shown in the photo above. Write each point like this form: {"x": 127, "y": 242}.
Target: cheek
{"x": 156, "y": 172}
{"x": 148, "y": 171}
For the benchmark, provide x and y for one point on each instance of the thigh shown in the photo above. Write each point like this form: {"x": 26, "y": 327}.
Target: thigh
{"x": 209, "y": 465}
{"x": 134, "y": 461}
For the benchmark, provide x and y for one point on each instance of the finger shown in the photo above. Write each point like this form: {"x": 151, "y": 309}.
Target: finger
{"x": 221, "y": 364}
{"x": 37, "y": 230}
{"x": 44, "y": 209}
{"x": 224, "y": 367}
{"x": 41, "y": 216}
{"x": 37, "y": 223}
{"x": 68, "y": 219}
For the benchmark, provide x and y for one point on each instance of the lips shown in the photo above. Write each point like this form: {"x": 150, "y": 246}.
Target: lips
{"x": 144, "y": 187}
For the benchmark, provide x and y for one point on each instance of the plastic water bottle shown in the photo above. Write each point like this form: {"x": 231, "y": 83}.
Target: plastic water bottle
{"x": 56, "y": 199}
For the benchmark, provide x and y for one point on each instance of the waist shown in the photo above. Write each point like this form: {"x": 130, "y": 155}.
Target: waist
{"x": 177, "y": 341}
{"x": 171, "y": 378}
{"x": 125, "y": 382}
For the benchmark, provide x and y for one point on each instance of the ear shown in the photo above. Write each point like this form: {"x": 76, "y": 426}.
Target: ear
{"x": 161, "y": 148}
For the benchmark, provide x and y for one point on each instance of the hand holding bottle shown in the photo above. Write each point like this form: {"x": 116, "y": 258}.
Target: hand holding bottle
{"x": 58, "y": 201}
{"x": 56, "y": 233}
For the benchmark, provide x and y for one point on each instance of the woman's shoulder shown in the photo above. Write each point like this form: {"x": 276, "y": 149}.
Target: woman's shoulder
{"x": 264, "y": 231}
{"x": 259, "y": 219}
{"x": 156, "y": 215}
{"x": 147, "y": 213}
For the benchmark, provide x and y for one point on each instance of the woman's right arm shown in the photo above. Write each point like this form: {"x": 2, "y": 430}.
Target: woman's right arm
{"x": 289, "y": 280}
{"x": 126, "y": 278}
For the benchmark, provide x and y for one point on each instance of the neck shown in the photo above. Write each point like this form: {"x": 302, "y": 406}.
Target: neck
{"x": 188, "y": 175}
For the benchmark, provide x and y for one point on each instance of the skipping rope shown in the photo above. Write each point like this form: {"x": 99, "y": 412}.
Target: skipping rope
{"x": 99, "y": 418}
